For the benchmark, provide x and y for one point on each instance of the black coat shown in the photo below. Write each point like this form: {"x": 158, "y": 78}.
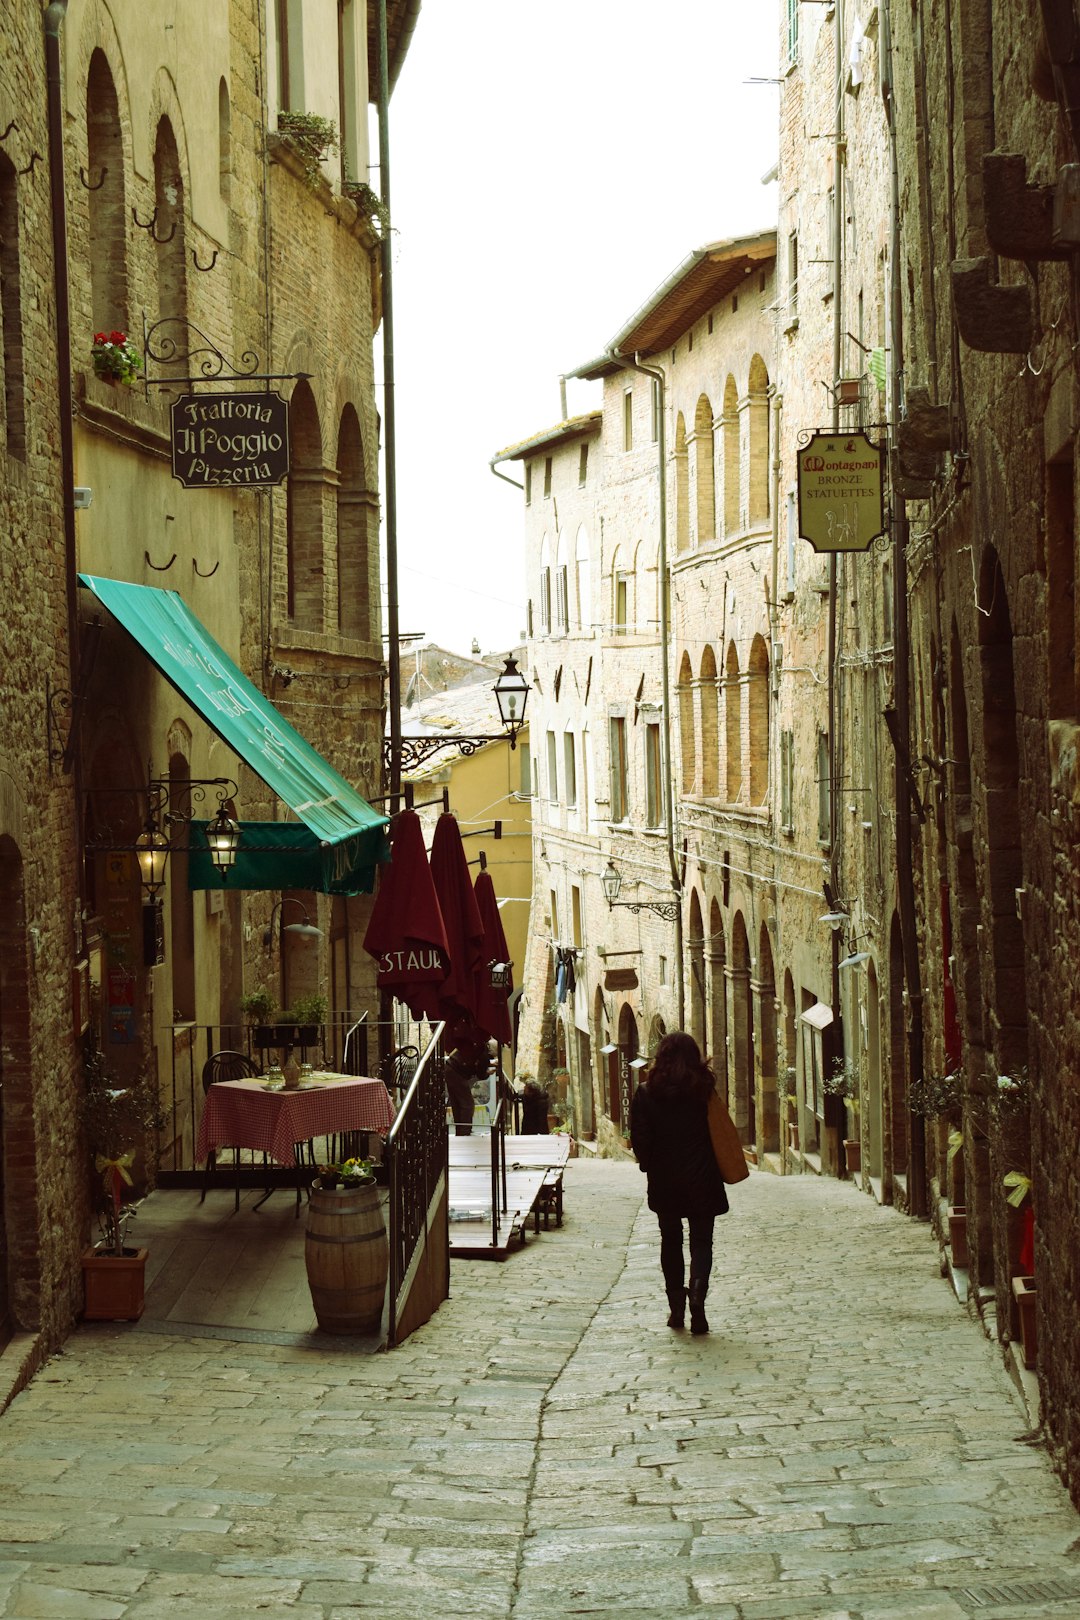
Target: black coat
{"x": 670, "y": 1136}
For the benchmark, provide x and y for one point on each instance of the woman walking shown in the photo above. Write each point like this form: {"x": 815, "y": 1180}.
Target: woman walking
{"x": 669, "y": 1133}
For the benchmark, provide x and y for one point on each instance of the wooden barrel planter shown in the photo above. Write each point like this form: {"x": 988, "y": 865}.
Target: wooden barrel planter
{"x": 347, "y": 1257}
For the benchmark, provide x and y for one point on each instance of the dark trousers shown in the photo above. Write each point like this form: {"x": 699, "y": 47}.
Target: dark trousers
{"x": 671, "y": 1249}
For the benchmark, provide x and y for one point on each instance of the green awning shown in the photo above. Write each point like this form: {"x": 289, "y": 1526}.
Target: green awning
{"x": 338, "y": 839}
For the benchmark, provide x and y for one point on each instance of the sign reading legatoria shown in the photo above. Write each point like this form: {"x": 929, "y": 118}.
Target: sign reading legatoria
{"x": 841, "y": 491}
{"x": 230, "y": 440}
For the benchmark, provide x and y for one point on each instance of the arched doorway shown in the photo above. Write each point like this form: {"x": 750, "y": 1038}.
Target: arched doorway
{"x": 742, "y": 1034}
{"x": 872, "y": 1141}
{"x": 898, "y": 1077}
{"x": 765, "y": 1045}
{"x": 629, "y": 1046}
{"x": 695, "y": 950}
{"x": 718, "y": 1024}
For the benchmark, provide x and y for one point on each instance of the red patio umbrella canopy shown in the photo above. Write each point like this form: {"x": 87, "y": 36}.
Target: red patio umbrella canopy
{"x": 406, "y": 932}
{"x": 494, "y": 1016}
{"x": 460, "y": 991}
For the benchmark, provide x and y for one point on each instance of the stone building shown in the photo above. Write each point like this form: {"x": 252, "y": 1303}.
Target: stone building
{"x": 195, "y": 185}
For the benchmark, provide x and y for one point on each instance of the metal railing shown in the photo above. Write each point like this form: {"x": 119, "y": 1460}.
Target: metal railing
{"x": 416, "y": 1152}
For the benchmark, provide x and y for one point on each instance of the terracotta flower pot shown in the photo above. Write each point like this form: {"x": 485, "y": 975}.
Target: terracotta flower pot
{"x": 958, "y": 1235}
{"x": 853, "y": 1155}
{"x": 114, "y": 1285}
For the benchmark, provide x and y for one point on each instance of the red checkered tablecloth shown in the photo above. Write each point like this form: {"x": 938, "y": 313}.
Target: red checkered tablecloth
{"x": 240, "y": 1113}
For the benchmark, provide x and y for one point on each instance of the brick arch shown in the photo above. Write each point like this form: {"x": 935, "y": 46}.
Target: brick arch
{"x": 686, "y": 724}
{"x": 169, "y": 236}
{"x": 732, "y": 724}
{"x": 106, "y": 204}
{"x": 731, "y": 457}
{"x": 704, "y": 470}
{"x": 757, "y": 714}
{"x": 758, "y": 442}
{"x": 710, "y": 725}
{"x": 682, "y": 486}
{"x": 304, "y": 511}
{"x": 357, "y": 534}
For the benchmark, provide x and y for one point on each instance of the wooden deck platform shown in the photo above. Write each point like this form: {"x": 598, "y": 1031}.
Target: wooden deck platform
{"x": 534, "y": 1170}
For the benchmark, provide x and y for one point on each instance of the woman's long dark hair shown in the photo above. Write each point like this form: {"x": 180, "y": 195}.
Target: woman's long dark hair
{"x": 679, "y": 1070}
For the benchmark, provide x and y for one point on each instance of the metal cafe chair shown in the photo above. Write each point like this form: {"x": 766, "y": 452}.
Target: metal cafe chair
{"x": 219, "y": 1066}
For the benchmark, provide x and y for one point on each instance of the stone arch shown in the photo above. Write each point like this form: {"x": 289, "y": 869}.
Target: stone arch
{"x": 686, "y": 724}
{"x": 758, "y": 442}
{"x": 742, "y": 1033}
{"x": 732, "y": 725}
{"x": 107, "y": 202}
{"x": 225, "y": 157}
{"x": 730, "y": 431}
{"x": 765, "y": 1046}
{"x": 704, "y": 470}
{"x": 304, "y": 511}
{"x": 695, "y": 954}
{"x": 872, "y": 1142}
{"x": 716, "y": 961}
{"x": 682, "y": 486}
{"x": 898, "y": 1114}
{"x": 629, "y": 1047}
{"x": 710, "y": 725}
{"x": 355, "y": 510}
{"x": 170, "y": 225}
{"x": 757, "y": 710}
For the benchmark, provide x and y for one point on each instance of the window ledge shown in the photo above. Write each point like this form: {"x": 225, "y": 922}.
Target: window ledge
{"x": 792, "y": 327}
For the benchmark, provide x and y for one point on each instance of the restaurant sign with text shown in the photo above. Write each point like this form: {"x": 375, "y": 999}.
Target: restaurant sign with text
{"x": 841, "y": 491}
{"x": 230, "y": 441}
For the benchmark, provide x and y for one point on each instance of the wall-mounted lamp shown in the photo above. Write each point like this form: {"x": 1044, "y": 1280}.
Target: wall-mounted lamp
{"x": 611, "y": 883}
{"x": 305, "y": 930}
{"x": 835, "y": 919}
{"x": 856, "y": 959}
{"x": 223, "y": 836}
{"x": 500, "y": 975}
{"x": 512, "y": 694}
{"x": 152, "y": 849}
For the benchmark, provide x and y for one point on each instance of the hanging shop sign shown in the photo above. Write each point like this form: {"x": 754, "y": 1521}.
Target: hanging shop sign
{"x": 841, "y": 491}
{"x": 230, "y": 440}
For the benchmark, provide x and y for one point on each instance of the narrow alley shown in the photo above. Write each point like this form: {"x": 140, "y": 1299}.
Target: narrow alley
{"x": 845, "y": 1443}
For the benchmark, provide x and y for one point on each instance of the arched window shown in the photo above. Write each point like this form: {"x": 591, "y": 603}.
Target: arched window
{"x": 733, "y": 723}
{"x": 686, "y": 725}
{"x": 170, "y": 250}
{"x": 545, "y": 587}
{"x": 710, "y": 739}
{"x": 107, "y": 243}
{"x": 582, "y": 580}
{"x": 354, "y": 511}
{"x": 224, "y": 141}
{"x": 682, "y": 487}
{"x": 11, "y": 312}
{"x": 758, "y": 412}
{"x": 622, "y": 592}
{"x": 730, "y": 431}
{"x": 704, "y": 469}
{"x": 757, "y": 707}
{"x": 304, "y": 515}
{"x": 562, "y": 599}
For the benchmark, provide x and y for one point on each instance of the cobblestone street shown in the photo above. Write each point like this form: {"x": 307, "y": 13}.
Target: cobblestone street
{"x": 843, "y": 1444}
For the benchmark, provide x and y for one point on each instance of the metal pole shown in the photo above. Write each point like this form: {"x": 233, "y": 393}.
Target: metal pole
{"x": 389, "y": 421}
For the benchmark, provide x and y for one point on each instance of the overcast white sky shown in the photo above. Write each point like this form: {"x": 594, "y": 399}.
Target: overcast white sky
{"x": 550, "y": 165}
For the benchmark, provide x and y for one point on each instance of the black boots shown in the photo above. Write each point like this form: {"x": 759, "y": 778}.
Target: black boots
{"x": 677, "y": 1301}
{"x": 699, "y": 1287}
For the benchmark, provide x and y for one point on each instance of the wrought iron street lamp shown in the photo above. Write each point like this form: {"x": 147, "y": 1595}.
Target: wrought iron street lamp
{"x": 611, "y": 883}
{"x": 512, "y": 694}
{"x": 300, "y": 930}
{"x": 152, "y": 849}
{"x": 223, "y": 836}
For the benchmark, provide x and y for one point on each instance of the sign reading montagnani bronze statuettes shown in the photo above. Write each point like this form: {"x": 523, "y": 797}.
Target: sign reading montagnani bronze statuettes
{"x": 230, "y": 440}
{"x": 841, "y": 491}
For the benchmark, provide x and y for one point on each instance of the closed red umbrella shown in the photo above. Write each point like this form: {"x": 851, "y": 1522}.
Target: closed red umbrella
{"x": 494, "y": 1016}
{"x": 459, "y": 992}
{"x": 406, "y": 932}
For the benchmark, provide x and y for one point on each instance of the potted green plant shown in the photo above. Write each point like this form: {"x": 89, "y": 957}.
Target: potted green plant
{"x": 309, "y": 1015}
{"x": 843, "y": 1081}
{"x": 368, "y": 204}
{"x": 115, "y": 358}
{"x": 1018, "y": 1195}
{"x": 118, "y": 1117}
{"x": 258, "y": 1008}
{"x": 312, "y": 137}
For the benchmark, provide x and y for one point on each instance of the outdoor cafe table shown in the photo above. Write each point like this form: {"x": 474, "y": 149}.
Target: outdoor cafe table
{"x": 244, "y": 1114}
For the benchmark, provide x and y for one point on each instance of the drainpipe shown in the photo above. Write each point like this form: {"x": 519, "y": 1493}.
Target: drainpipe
{"x": 393, "y": 625}
{"x": 53, "y": 20}
{"x": 901, "y": 654}
{"x": 839, "y": 145}
{"x": 665, "y": 655}
{"x": 774, "y": 604}
{"x": 502, "y": 475}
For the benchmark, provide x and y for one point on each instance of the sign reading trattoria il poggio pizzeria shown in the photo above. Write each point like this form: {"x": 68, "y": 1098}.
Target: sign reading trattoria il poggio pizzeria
{"x": 841, "y": 491}
{"x": 230, "y": 441}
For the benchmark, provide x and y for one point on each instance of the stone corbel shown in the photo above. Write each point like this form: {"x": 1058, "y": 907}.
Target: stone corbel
{"x": 1019, "y": 217}
{"x": 992, "y": 319}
